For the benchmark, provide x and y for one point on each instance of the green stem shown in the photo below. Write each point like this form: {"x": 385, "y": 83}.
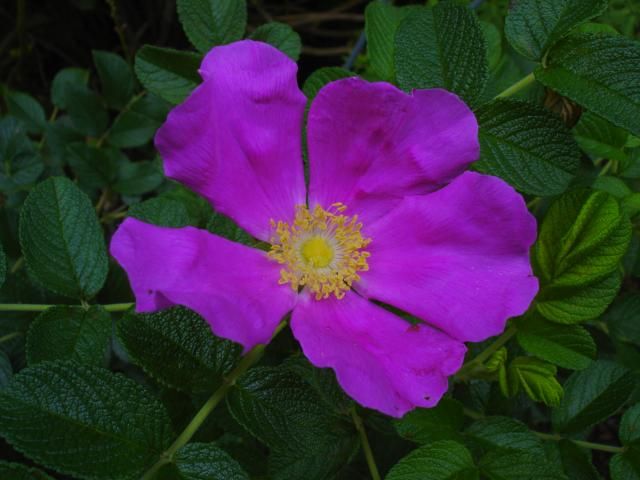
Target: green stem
{"x": 9, "y": 336}
{"x": 487, "y": 352}
{"x": 196, "y": 422}
{"x": 37, "y": 307}
{"x": 516, "y": 87}
{"x": 366, "y": 447}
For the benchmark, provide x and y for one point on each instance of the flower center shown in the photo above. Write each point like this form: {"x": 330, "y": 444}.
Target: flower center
{"x": 322, "y": 250}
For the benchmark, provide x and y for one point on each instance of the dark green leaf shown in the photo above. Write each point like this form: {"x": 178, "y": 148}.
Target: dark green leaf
{"x": 442, "y": 47}
{"x": 504, "y": 433}
{"x": 86, "y": 110}
{"x": 177, "y": 348}
{"x": 161, "y": 211}
{"x": 83, "y": 421}
{"x": 599, "y": 138}
{"x": 591, "y": 395}
{"x": 576, "y": 462}
{"x": 519, "y": 465}
{"x": 206, "y": 461}
{"x": 321, "y": 77}
{"x": 613, "y": 186}
{"x": 170, "y": 74}
{"x": 600, "y": 72}
{"x": 630, "y": 426}
{"x": 208, "y": 23}
{"x": 281, "y": 36}
{"x": 227, "y": 228}
{"x": 116, "y": 78}
{"x": 6, "y": 370}
{"x": 15, "y": 471}
{"x": 70, "y": 333}
{"x": 626, "y": 466}
{"x": 493, "y": 39}
{"x": 131, "y": 129}
{"x": 66, "y": 78}
{"x": 445, "y": 460}
{"x": 533, "y": 26}
{"x": 526, "y": 146}
{"x": 95, "y": 167}
{"x": 21, "y": 164}
{"x": 581, "y": 242}
{"x": 61, "y": 239}
{"x": 3, "y": 265}
{"x": 381, "y": 23}
{"x": 536, "y": 378}
{"x": 623, "y": 318}
{"x": 568, "y": 346}
{"x": 138, "y": 178}
{"x": 427, "y": 425}
{"x": 26, "y": 108}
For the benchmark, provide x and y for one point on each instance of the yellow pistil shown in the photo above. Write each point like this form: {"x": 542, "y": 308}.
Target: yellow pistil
{"x": 322, "y": 250}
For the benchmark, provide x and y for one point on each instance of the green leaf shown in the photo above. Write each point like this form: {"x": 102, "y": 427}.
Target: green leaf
{"x": 177, "y": 348}
{"x": 601, "y": 73}
{"x": 592, "y": 395}
{"x": 161, "y": 211}
{"x": 536, "y": 378}
{"x": 3, "y": 265}
{"x": 427, "y": 425}
{"x": 493, "y": 39}
{"x": 322, "y": 77}
{"x": 206, "y": 461}
{"x": 630, "y": 426}
{"x": 21, "y": 163}
{"x": 70, "y": 333}
{"x": 281, "y": 36}
{"x": 61, "y": 239}
{"x": 381, "y": 23}
{"x": 131, "y": 129}
{"x": 94, "y": 167}
{"x": 519, "y": 465}
{"x": 116, "y": 77}
{"x": 445, "y": 460}
{"x": 15, "y": 471}
{"x": 65, "y": 79}
{"x": 6, "y": 370}
{"x": 626, "y": 466}
{"x": 576, "y": 462}
{"x": 623, "y": 318}
{"x": 442, "y": 47}
{"x": 227, "y": 228}
{"x": 208, "y": 23}
{"x": 504, "y": 433}
{"x": 86, "y": 110}
{"x": 568, "y": 346}
{"x": 532, "y": 26}
{"x": 580, "y": 244}
{"x": 614, "y": 186}
{"x": 599, "y": 138}
{"x": 526, "y": 146}
{"x": 170, "y": 74}
{"x": 83, "y": 421}
{"x": 26, "y": 108}
{"x": 138, "y": 178}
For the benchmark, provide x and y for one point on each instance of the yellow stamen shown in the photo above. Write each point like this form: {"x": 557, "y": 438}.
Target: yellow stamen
{"x": 322, "y": 250}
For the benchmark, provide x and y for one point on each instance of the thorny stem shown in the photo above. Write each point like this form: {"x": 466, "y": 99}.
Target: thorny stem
{"x": 37, "y": 307}
{"x": 366, "y": 447}
{"x": 487, "y": 352}
{"x": 556, "y": 438}
{"x": 196, "y": 422}
{"x": 516, "y": 87}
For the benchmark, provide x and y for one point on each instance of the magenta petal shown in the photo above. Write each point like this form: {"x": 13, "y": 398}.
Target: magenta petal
{"x": 234, "y": 287}
{"x": 237, "y": 139}
{"x": 457, "y": 258}
{"x": 380, "y": 360}
{"x": 371, "y": 144}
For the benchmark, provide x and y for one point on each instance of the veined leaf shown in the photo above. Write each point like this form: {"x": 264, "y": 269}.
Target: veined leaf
{"x": 208, "y": 23}
{"x": 281, "y": 36}
{"x": 445, "y": 460}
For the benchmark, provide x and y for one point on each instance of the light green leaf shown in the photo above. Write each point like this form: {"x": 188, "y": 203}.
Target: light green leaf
{"x": 580, "y": 244}
{"x": 27, "y": 109}
{"x": 568, "y": 346}
{"x": 208, "y": 23}
{"x": 281, "y": 36}
{"x": 592, "y": 395}
{"x": 170, "y": 74}
{"x": 601, "y": 73}
{"x": 322, "y": 77}
{"x": 532, "y": 26}
{"x": 116, "y": 78}
{"x": 206, "y": 461}
{"x": 64, "y": 80}
{"x": 70, "y": 333}
{"x": 83, "y": 421}
{"x": 445, "y": 460}
{"x": 599, "y": 138}
{"x": 526, "y": 146}
{"x": 630, "y": 426}
{"x": 61, "y": 239}
{"x": 177, "y": 348}
{"x": 427, "y": 425}
{"x": 536, "y": 378}
{"x": 442, "y": 47}
{"x": 16, "y": 471}
{"x": 381, "y": 23}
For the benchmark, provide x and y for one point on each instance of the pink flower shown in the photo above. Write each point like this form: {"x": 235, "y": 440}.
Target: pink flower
{"x": 389, "y": 215}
